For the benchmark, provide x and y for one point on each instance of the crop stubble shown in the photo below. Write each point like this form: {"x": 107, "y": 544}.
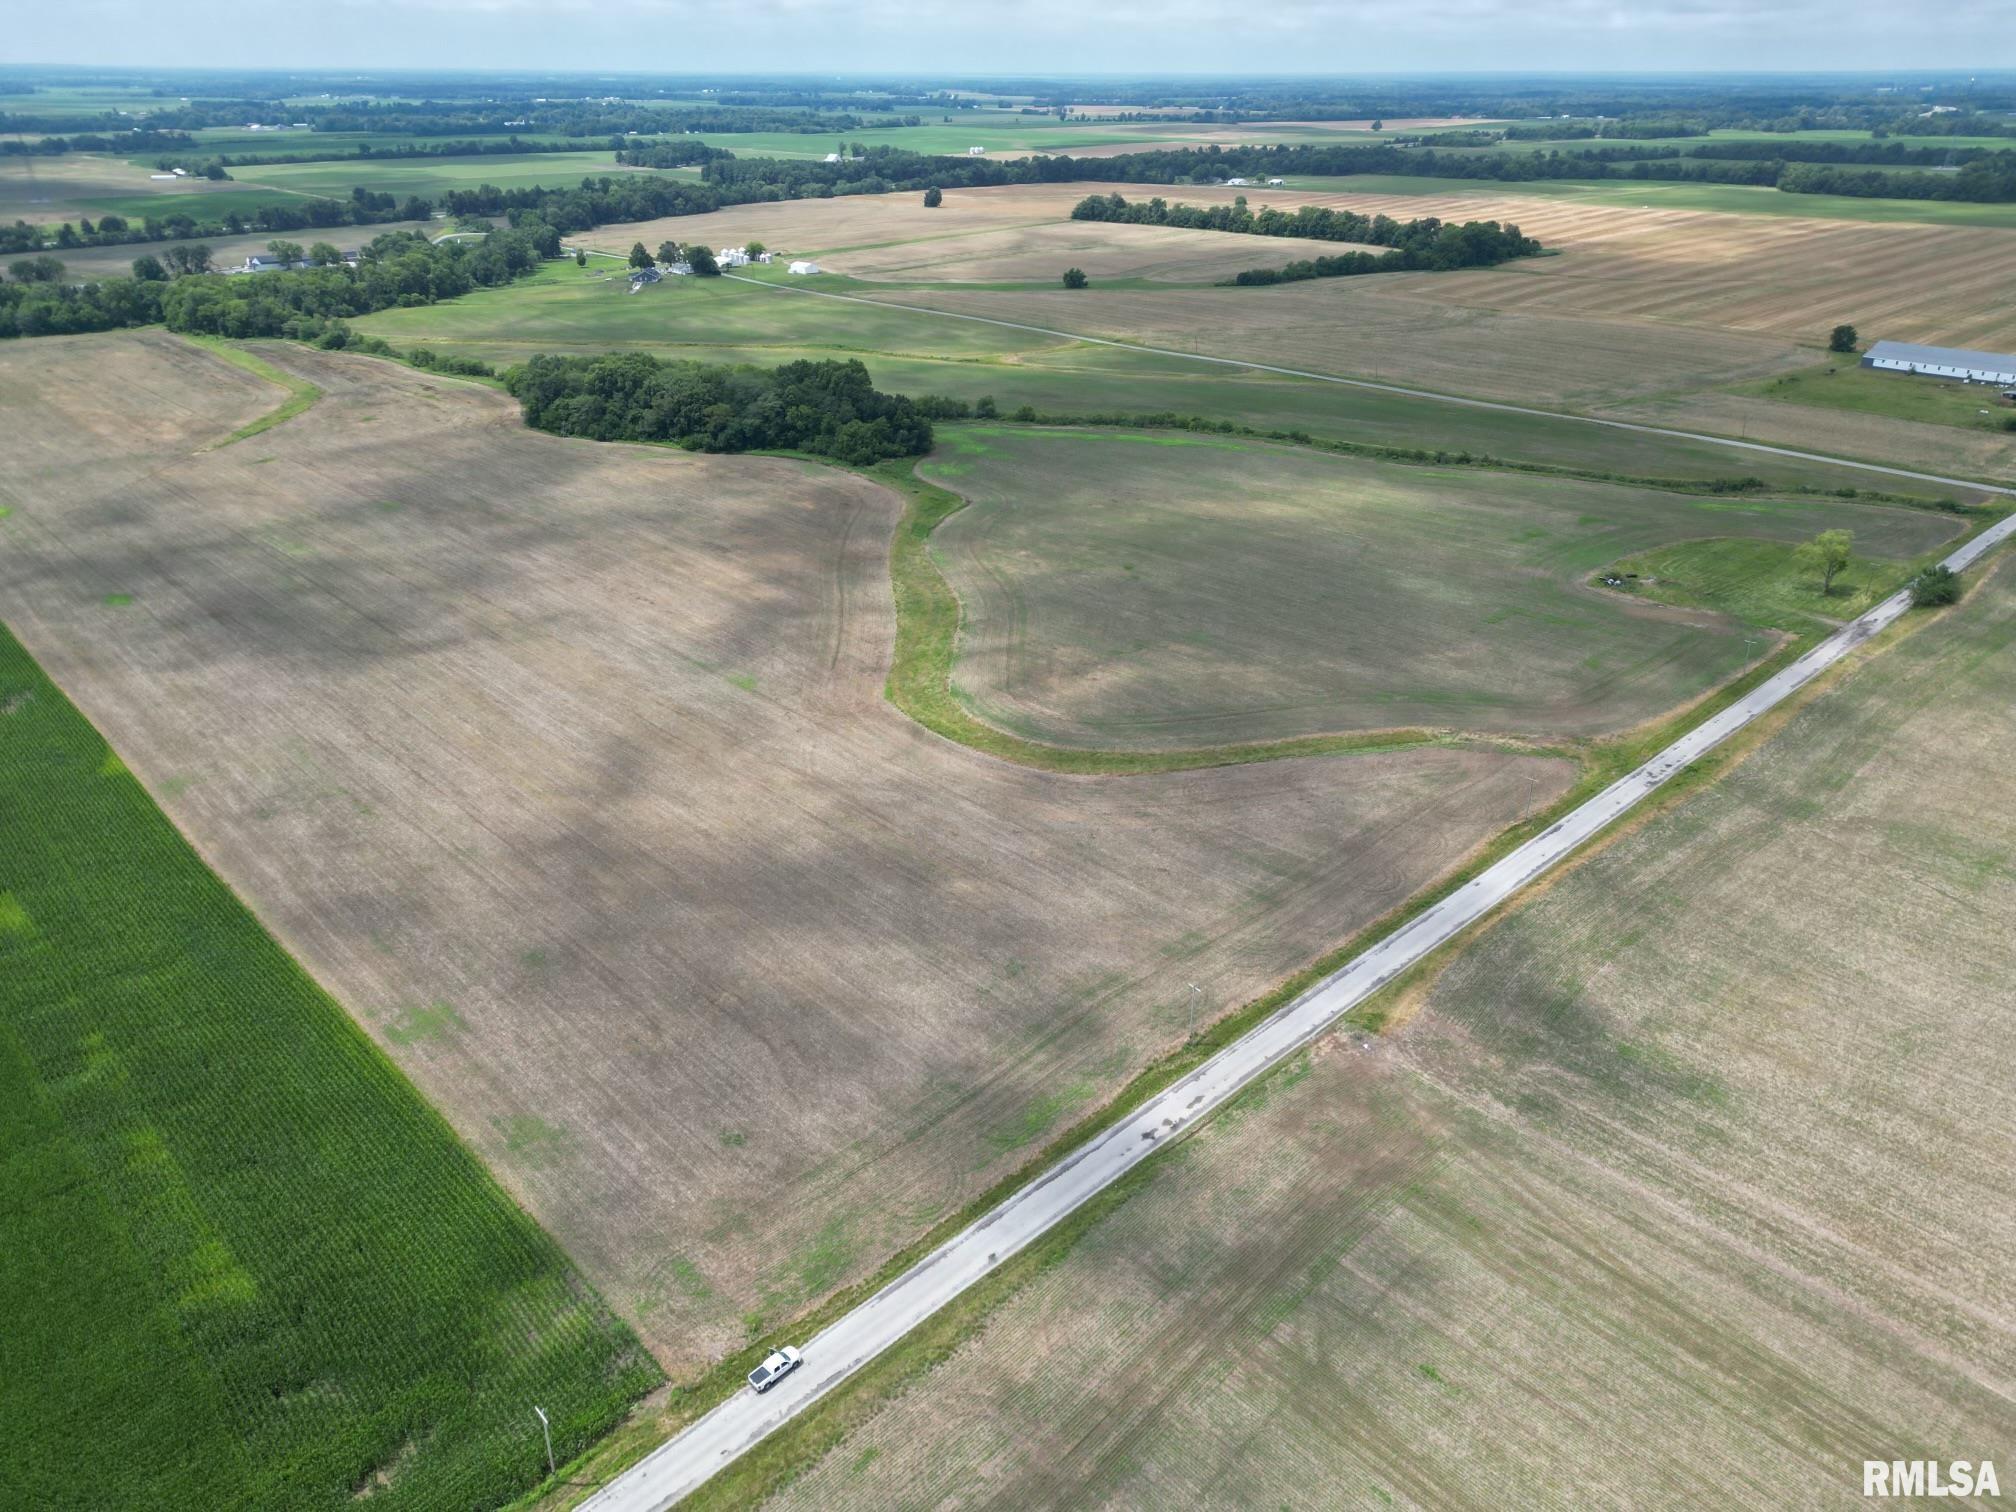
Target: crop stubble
{"x": 566, "y": 768}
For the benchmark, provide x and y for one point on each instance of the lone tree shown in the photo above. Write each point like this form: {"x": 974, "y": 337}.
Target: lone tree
{"x": 640, "y": 255}
{"x": 1827, "y": 553}
{"x": 933, "y": 197}
{"x": 1841, "y": 339}
{"x": 1936, "y": 585}
{"x": 580, "y": 258}
{"x": 703, "y": 262}
{"x": 1074, "y": 278}
{"x": 668, "y": 252}
{"x": 1378, "y": 125}
{"x": 755, "y": 249}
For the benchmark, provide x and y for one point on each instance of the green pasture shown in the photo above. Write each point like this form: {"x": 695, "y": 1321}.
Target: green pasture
{"x": 566, "y": 310}
{"x": 1843, "y": 384}
{"x": 246, "y": 1266}
{"x": 1759, "y": 581}
{"x": 1135, "y": 590}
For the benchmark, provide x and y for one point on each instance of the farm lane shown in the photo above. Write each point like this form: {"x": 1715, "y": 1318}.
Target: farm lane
{"x": 1394, "y": 388}
{"x": 685, "y": 1462}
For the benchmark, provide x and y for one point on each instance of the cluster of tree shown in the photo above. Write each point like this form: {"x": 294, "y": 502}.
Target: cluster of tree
{"x": 1936, "y": 585}
{"x": 130, "y": 141}
{"x": 1986, "y": 180}
{"x": 829, "y": 409}
{"x": 363, "y": 208}
{"x": 1427, "y": 245}
{"x": 397, "y": 268}
{"x": 1313, "y": 222}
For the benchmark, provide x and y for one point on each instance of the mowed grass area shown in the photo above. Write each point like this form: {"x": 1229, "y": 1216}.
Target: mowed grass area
{"x": 246, "y": 1266}
{"x": 724, "y": 320}
{"x": 1841, "y": 383}
{"x": 1163, "y": 590}
{"x": 1692, "y": 1169}
{"x": 613, "y": 833}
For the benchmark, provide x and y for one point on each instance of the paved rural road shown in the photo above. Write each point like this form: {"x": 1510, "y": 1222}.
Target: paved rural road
{"x": 1384, "y": 388}
{"x": 681, "y": 1464}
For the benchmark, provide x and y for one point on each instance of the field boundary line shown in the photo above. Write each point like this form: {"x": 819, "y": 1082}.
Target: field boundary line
{"x": 1498, "y": 406}
{"x": 682, "y": 1464}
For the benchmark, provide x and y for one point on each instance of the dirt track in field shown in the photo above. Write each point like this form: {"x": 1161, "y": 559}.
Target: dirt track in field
{"x": 566, "y": 767}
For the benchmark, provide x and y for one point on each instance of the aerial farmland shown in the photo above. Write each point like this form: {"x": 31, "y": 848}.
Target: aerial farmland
{"x": 908, "y": 791}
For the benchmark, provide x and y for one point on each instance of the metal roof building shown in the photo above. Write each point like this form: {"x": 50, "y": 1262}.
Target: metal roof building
{"x": 1942, "y": 362}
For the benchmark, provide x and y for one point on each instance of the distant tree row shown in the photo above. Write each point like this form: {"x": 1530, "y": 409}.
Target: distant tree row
{"x": 830, "y": 409}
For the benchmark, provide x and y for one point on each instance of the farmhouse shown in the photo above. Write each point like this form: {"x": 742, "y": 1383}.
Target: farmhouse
{"x": 1941, "y": 362}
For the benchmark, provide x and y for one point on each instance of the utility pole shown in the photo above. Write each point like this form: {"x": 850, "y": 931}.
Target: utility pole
{"x": 1194, "y": 995}
{"x": 548, "y": 1427}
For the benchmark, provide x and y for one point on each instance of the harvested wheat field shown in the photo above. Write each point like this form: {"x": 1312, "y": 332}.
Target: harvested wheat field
{"x": 1943, "y": 285}
{"x": 565, "y": 766}
{"x": 1709, "y": 1201}
{"x": 1101, "y": 249}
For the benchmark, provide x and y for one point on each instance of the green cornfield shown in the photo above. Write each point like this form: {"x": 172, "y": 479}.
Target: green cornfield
{"x": 242, "y": 1263}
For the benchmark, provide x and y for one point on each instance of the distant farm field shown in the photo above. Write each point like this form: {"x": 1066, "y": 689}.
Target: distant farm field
{"x": 47, "y": 191}
{"x": 567, "y": 768}
{"x": 1691, "y": 1169}
{"x": 246, "y": 1266}
{"x": 432, "y": 177}
{"x": 1130, "y": 590}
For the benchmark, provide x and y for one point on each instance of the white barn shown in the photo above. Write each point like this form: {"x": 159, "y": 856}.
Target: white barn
{"x": 803, "y": 267}
{"x": 1942, "y": 362}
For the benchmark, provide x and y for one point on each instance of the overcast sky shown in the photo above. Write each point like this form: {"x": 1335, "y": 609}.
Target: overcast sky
{"x": 1038, "y": 36}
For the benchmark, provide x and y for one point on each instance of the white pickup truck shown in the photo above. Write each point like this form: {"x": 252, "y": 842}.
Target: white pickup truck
{"x": 780, "y": 1364}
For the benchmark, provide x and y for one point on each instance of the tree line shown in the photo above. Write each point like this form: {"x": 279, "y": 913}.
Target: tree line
{"x": 397, "y": 268}
{"x": 1424, "y": 245}
{"x": 827, "y": 408}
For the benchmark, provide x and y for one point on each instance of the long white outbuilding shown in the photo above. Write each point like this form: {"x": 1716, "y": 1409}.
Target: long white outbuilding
{"x": 1942, "y": 362}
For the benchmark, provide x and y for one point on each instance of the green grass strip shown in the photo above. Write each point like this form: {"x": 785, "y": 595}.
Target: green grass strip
{"x": 301, "y": 394}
